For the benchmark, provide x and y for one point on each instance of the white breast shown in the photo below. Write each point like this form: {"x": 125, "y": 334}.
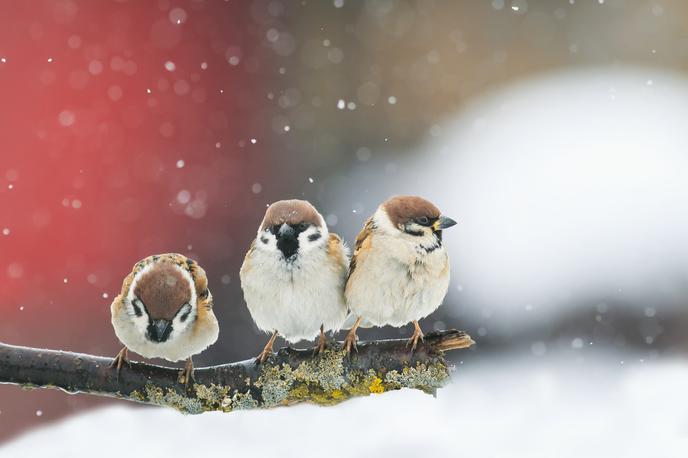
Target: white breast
{"x": 178, "y": 347}
{"x": 294, "y": 299}
{"x": 397, "y": 282}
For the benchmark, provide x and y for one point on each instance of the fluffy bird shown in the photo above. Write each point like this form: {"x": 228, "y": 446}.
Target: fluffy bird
{"x": 293, "y": 275}
{"x": 399, "y": 272}
{"x": 165, "y": 310}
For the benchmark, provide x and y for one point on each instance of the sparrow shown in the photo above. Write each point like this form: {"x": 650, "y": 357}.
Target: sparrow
{"x": 165, "y": 310}
{"x": 293, "y": 275}
{"x": 399, "y": 272}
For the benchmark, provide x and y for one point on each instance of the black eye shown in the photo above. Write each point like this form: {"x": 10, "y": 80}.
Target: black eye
{"x": 136, "y": 305}
{"x": 274, "y": 229}
{"x": 186, "y": 312}
{"x": 302, "y": 226}
{"x": 423, "y": 220}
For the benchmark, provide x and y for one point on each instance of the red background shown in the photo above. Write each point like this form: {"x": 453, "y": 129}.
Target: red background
{"x": 92, "y": 129}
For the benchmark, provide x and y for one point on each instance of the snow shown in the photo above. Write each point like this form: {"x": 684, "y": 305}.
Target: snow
{"x": 512, "y": 406}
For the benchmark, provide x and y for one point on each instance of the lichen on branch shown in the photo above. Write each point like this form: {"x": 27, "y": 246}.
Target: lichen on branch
{"x": 289, "y": 377}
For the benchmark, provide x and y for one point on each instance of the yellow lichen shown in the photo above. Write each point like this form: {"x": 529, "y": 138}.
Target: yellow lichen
{"x": 137, "y": 396}
{"x": 323, "y": 380}
{"x": 376, "y": 386}
{"x": 327, "y": 398}
{"x": 299, "y": 393}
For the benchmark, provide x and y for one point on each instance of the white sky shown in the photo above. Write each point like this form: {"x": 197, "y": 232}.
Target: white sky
{"x": 568, "y": 186}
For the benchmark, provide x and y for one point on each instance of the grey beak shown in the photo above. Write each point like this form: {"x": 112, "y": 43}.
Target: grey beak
{"x": 443, "y": 222}
{"x": 161, "y": 327}
{"x": 286, "y": 231}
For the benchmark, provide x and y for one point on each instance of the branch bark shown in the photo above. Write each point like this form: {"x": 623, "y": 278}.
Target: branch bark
{"x": 289, "y": 377}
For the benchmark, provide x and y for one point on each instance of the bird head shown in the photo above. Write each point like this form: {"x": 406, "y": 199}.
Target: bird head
{"x": 292, "y": 228}
{"x": 162, "y": 298}
{"x": 411, "y": 216}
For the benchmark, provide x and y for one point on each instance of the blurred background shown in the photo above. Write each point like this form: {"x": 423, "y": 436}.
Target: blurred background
{"x": 552, "y": 131}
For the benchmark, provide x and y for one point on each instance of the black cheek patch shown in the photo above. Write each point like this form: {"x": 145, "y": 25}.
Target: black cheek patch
{"x": 314, "y": 237}
{"x": 264, "y": 240}
{"x": 414, "y": 233}
{"x": 137, "y": 309}
{"x": 185, "y": 316}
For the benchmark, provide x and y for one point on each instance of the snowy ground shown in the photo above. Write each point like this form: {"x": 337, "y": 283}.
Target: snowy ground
{"x": 504, "y": 407}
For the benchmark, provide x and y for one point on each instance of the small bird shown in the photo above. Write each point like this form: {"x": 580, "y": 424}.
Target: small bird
{"x": 165, "y": 310}
{"x": 399, "y": 272}
{"x": 293, "y": 275}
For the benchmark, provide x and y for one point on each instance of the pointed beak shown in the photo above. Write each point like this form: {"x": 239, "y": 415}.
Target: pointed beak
{"x": 159, "y": 329}
{"x": 286, "y": 231}
{"x": 443, "y": 222}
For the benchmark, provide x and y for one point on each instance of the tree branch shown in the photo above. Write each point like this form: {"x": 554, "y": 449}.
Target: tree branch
{"x": 289, "y": 377}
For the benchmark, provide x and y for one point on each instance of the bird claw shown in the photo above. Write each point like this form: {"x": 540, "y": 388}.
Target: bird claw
{"x": 121, "y": 359}
{"x": 186, "y": 375}
{"x": 267, "y": 351}
{"x": 350, "y": 343}
{"x": 322, "y": 343}
{"x": 417, "y": 335}
{"x": 264, "y": 355}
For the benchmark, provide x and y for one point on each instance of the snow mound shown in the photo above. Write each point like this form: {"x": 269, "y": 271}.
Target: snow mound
{"x": 558, "y": 407}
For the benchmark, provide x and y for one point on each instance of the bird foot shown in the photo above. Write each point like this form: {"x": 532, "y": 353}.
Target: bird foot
{"x": 121, "y": 359}
{"x": 321, "y": 347}
{"x": 264, "y": 355}
{"x": 186, "y": 375}
{"x": 322, "y": 343}
{"x": 267, "y": 351}
{"x": 417, "y": 335}
{"x": 350, "y": 342}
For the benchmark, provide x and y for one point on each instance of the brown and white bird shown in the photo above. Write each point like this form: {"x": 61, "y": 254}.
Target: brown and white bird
{"x": 399, "y": 272}
{"x": 165, "y": 310}
{"x": 293, "y": 275}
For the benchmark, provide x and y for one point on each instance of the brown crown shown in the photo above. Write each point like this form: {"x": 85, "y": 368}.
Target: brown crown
{"x": 291, "y": 212}
{"x": 163, "y": 290}
{"x": 402, "y": 209}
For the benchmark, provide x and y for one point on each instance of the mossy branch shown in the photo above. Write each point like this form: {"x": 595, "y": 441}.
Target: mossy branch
{"x": 289, "y": 377}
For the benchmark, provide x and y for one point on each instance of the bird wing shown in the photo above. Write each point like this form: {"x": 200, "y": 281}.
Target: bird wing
{"x": 337, "y": 249}
{"x": 205, "y": 298}
{"x": 363, "y": 240}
